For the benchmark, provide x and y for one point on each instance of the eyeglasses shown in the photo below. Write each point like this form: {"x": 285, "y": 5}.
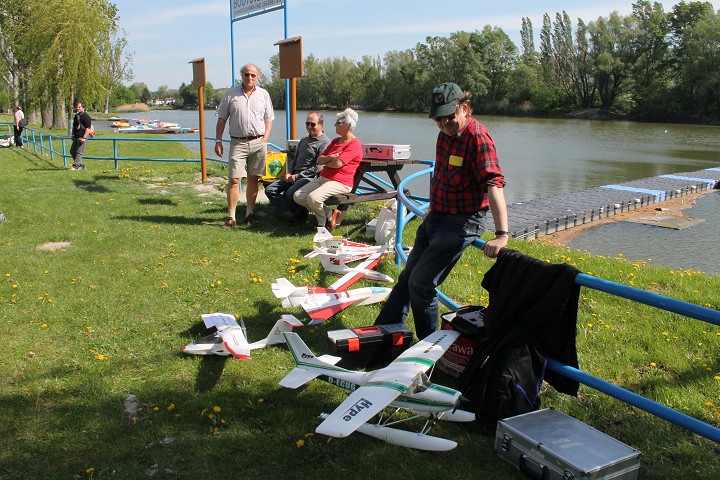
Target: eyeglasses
{"x": 310, "y": 124}
{"x": 445, "y": 118}
{"x": 249, "y": 75}
{"x": 340, "y": 122}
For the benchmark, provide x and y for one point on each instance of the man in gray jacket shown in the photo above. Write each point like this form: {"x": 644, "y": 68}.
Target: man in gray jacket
{"x": 300, "y": 169}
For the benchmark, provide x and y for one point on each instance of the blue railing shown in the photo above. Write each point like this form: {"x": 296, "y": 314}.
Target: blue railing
{"x": 630, "y": 293}
{"x": 52, "y": 144}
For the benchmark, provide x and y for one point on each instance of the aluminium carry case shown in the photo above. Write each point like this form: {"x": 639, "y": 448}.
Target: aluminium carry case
{"x": 384, "y": 151}
{"x": 550, "y": 445}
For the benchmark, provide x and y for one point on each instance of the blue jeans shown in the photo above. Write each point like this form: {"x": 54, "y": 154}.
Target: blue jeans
{"x": 440, "y": 241}
{"x": 280, "y": 194}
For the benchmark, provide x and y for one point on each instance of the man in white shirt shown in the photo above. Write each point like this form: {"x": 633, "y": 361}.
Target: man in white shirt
{"x": 249, "y": 111}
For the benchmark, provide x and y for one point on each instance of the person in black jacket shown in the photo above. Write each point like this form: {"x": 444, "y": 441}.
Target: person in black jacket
{"x": 81, "y": 130}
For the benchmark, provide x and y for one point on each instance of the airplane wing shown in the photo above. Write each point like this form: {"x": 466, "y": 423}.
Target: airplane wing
{"x": 429, "y": 350}
{"x": 386, "y": 384}
{"x": 235, "y": 342}
{"x": 299, "y": 377}
{"x": 356, "y": 273}
{"x": 219, "y": 320}
{"x": 357, "y": 409}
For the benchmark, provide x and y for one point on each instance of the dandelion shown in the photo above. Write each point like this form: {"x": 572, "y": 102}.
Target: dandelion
{"x": 89, "y": 470}
{"x": 716, "y": 377}
{"x": 44, "y": 325}
{"x": 708, "y": 404}
{"x": 171, "y": 407}
{"x": 300, "y": 443}
{"x": 653, "y": 364}
{"x": 261, "y": 400}
{"x": 217, "y": 409}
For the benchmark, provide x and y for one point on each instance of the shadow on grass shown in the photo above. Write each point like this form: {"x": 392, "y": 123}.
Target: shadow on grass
{"x": 175, "y": 219}
{"x": 91, "y": 185}
{"x": 156, "y": 201}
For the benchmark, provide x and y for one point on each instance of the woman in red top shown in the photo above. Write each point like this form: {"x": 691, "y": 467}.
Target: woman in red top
{"x": 339, "y": 162}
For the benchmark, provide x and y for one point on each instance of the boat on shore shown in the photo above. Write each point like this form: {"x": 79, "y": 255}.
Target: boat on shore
{"x": 143, "y": 129}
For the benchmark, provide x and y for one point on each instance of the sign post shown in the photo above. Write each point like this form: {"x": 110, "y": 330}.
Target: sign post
{"x": 199, "y": 83}
{"x": 291, "y": 66}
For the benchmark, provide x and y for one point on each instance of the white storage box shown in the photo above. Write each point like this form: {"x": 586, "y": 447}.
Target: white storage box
{"x": 381, "y": 151}
{"x": 551, "y": 445}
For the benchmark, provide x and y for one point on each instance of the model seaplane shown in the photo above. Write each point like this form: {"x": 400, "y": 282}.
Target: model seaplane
{"x": 230, "y": 338}
{"x": 403, "y": 384}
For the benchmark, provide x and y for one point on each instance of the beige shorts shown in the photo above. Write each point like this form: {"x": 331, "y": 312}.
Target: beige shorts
{"x": 247, "y": 158}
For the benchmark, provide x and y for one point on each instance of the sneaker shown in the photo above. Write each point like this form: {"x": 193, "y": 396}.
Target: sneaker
{"x": 77, "y": 167}
{"x": 229, "y": 222}
{"x": 252, "y": 219}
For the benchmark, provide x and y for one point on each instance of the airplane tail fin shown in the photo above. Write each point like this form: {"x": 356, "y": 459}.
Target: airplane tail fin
{"x": 322, "y": 235}
{"x": 285, "y": 324}
{"x": 283, "y": 289}
{"x": 308, "y": 365}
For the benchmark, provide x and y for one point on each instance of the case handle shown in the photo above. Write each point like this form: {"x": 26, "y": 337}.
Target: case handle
{"x": 545, "y": 471}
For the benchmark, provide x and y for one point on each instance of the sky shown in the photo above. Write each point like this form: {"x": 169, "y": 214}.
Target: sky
{"x": 164, "y": 36}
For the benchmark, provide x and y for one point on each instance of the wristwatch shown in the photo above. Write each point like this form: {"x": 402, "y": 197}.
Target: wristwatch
{"x": 217, "y": 140}
{"x": 500, "y": 233}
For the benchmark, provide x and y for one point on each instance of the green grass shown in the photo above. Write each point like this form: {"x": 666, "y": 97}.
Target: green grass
{"x": 87, "y": 327}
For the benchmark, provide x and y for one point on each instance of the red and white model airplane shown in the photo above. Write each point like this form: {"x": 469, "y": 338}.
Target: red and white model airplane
{"x": 322, "y": 303}
{"x": 403, "y": 385}
{"x": 342, "y": 248}
{"x": 231, "y": 337}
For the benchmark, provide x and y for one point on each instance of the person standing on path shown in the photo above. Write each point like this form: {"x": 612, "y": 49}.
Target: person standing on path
{"x": 81, "y": 130}
{"x": 466, "y": 183}
{"x": 250, "y": 113}
{"x": 19, "y": 125}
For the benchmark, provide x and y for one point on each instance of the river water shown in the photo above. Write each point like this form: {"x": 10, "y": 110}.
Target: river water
{"x": 544, "y": 157}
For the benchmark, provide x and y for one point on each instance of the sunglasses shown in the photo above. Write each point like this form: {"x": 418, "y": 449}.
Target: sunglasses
{"x": 340, "y": 122}
{"x": 249, "y": 75}
{"x": 446, "y": 118}
{"x": 310, "y": 124}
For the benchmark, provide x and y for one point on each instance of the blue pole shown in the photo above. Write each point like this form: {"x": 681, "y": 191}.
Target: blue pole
{"x": 232, "y": 47}
{"x": 638, "y": 401}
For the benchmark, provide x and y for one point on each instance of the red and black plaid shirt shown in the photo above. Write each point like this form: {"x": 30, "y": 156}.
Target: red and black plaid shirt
{"x": 465, "y": 165}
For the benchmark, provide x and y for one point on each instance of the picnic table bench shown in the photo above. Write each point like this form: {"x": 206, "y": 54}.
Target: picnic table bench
{"x": 367, "y": 186}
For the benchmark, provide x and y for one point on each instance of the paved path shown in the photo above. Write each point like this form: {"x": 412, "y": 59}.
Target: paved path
{"x": 544, "y": 216}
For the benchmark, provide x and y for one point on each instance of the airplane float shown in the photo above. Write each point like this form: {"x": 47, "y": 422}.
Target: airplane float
{"x": 231, "y": 337}
{"x": 403, "y": 385}
{"x": 322, "y": 303}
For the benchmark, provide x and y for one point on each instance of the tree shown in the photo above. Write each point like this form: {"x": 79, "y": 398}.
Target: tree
{"x": 116, "y": 65}
{"x": 66, "y": 38}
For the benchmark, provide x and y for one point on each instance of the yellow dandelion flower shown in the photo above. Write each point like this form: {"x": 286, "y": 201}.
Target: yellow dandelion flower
{"x": 653, "y": 364}
{"x": 44, "y": 325}
{"x": 300, "y": 443}
{"x": 156, "y": 409}
{"x": 716, "y": 377}
{"x": 101, "y": 357}
{"x": 590, "y": 325}
{"x": 89, "y": 470}
{"x": 708, "y": 404}
{"x": 217, "y": 409}
{"x": 171, "y": 407}
{"x": 261, "y": 400}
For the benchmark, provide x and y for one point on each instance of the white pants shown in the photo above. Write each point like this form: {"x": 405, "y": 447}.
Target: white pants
{"x": 313, "y": 195}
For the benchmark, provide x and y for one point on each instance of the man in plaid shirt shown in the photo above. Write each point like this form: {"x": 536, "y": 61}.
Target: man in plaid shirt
{"x": 467, "y": 181}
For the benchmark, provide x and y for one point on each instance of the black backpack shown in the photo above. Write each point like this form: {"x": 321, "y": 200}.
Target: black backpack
{"x": 504, "y": 376}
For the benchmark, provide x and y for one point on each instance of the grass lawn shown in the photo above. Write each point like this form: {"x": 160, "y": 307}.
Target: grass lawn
{"x": 104, "y": 274}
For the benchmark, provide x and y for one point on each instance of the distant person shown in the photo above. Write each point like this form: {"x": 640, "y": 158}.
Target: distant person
{"x": 81, "y": 130}
{"x": 20, "y": 123}
{"x": 466, "y": 183}
{"x": 250, "y": 112}
{"x": 301, "y": 168}
{"x": 340, "y": 161}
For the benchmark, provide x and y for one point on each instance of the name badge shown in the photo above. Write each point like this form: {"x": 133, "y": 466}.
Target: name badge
{"x": 456, "y": 161}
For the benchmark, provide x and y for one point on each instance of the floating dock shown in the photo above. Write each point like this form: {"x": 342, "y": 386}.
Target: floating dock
{"x": 536, "y": 218}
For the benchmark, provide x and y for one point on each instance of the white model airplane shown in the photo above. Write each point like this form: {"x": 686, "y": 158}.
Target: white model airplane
{"x": 342, "y": 247}
{"x": 322, "y": 303}
{"x": 337, "y": 264}
{"x": 403, "y": 384}
{"x": 231, "y": 337}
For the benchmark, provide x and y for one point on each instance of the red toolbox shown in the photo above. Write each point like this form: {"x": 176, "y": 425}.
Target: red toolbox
{"x": 369, "y": 347}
